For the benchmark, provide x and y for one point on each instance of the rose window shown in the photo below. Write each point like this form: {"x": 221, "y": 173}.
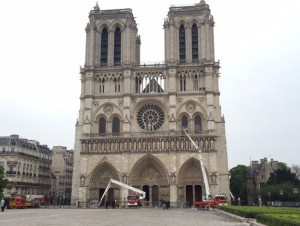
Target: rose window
{"x": 150, "y": 117}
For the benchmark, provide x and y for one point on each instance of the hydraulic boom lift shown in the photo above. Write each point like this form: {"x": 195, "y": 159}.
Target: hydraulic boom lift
{"x": 207, "y": 190}
{"x": 141, "y": 193}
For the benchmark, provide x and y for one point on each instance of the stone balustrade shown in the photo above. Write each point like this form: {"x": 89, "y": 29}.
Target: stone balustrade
{"x": 141, "y": 143}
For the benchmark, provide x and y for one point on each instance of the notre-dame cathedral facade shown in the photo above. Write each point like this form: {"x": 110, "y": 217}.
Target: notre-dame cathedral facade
{"x": 132, "y": 115}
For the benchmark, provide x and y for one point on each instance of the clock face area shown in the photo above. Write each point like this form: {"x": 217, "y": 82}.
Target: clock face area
{"x": 150, "y": 117}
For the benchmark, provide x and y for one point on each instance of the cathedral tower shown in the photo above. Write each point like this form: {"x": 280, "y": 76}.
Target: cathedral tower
{"x": 131, "y": 116}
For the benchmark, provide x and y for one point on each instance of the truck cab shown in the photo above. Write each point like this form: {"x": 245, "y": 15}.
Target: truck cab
{"x": 133, "y": 200}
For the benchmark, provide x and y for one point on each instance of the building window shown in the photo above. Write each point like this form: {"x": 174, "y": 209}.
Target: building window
{"x": 117, "y": 47}
{"x": 116, "y": 126}
{"x": 102, "y": 126}
{"x": 101, "y": 87}
{"x": 184, "y": 123}
{"x": 198, "y": 124}
{"x": 182, "y": 83}
{"x": 195, "y": 55}
{"x": 149, "y": 82}
{"x": 181, "y": 44}
{"x": 150, "y": 117}
{"x": 104, "y": 47}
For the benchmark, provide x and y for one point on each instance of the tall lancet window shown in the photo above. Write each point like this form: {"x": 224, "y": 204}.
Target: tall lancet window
{"x": 116, "y": 126}
{"x": 104, "y": 47}
{"x": 102, "y": 126}
{"x": 117, "y": 47}
{"x": 195, "y": 54}
{"x": 184, "y": 123}
{"x": 198, "y": 126}
{"x": 181, "y": 44}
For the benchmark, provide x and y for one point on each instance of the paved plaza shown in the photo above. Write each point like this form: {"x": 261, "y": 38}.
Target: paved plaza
{"x": 110, "y": 217}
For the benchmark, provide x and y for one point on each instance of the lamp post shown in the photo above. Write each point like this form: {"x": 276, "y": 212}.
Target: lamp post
{"x": 269, "y": 197}
{"x": 295, "y": 192}
{"x": 281, "y": 194}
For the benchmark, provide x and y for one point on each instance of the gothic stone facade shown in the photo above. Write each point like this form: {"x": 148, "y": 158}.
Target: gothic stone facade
{"x": 131, "y": 115}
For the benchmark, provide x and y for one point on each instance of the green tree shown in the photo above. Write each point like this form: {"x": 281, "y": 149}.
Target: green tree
{"x": 238, "y": 182}
{"x": 3, "y": 181}
{"x": 281, "y": 185}
{"x": 283, "y": 175}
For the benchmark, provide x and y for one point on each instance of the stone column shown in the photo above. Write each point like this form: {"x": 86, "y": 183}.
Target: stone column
{"x": 173, "y": 190}
{"x": 188, "y": 44}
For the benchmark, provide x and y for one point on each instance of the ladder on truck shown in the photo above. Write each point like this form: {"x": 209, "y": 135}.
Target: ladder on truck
{"x": 112, "y": 181}
{"x": 207, "y": 190}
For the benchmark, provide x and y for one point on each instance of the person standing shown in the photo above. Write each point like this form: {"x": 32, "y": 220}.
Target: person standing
{"x": 2, "y": 204}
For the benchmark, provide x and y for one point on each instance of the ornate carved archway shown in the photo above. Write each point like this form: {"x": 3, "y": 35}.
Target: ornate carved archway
{"x": 99, "y": 179}
{"x": 191, "y": 177}
{"x": 150, "y": 171}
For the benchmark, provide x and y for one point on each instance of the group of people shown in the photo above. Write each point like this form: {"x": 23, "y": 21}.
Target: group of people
{"x": 114, "y": 203}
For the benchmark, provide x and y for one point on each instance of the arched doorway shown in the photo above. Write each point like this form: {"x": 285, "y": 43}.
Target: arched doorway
{"x": 189, "y": 195}
{"x": 190, "y": 182}
{"x": 99, "y": 180}
{"x": 151, "y": 175}
{"x": 146, "y": 190}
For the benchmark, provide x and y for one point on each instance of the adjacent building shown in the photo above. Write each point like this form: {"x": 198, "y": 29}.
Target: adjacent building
{"x": 62, "y": 169}
{"x": 258, "y": 175}
{"x": 132, "y": 115}
{"x": 26, "y": 165}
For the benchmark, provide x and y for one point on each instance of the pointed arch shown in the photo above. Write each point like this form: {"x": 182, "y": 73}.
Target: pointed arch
{"x": 100, "y": 111}
{"x": 149, "y": 170}
{"x": 195, "y": 21}
{"x": 101, "y": 175}
{"x": 190, "y": 173}
{"x": 118, "y": 23}
{"x": 199, "y": 109}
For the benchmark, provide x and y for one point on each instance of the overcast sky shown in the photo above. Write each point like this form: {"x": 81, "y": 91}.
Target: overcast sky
{"x": 42, "y": 46}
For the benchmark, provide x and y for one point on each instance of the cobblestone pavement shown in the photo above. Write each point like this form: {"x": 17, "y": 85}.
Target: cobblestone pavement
{"x": 110, "y": 217}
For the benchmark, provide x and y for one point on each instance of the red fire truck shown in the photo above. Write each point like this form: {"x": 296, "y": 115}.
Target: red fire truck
{"x": 133, "y": 200}
{"x": 216, "y": 201}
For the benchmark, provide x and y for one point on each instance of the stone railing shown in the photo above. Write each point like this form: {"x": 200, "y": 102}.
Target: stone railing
{"x": 144, "y": 143}
{"x": 202, "y": 133}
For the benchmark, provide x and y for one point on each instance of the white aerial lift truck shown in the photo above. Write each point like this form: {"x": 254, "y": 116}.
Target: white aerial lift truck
{"x": 208, "y": 200}
{"x": 207, "y": 190}
{"x": 131, "y": 202}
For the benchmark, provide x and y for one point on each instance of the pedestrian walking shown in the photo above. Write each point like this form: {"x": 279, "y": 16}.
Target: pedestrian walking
{"x": 2, "y": 204}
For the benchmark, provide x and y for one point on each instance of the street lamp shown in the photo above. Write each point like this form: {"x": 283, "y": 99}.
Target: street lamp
{"x": 269, "y": 197}
{"x": 295, "y": 192}
{"x": 281, "y": 194}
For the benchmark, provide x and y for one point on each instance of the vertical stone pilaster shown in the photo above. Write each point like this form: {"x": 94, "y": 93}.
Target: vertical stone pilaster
{"x": 111, "y": 38}
{"x": 188, "y": 44}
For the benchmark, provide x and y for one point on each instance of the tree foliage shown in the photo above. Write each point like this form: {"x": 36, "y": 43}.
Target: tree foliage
{"x": 238, "y": 181}
{"x": 281, "y": 185}
{"x": 283, "y": 175}
{"x": 3, "y": 181}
